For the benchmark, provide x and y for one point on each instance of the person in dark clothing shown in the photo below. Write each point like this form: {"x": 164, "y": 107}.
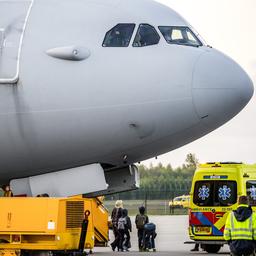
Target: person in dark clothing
{"x": 149, "y": 237}
{"x": 115, "y": 215}
{"x": 140, "y": 221}
{"x": 122, "y": 228}
{"x": 127, "y": 230}
{"x": 240, "y": 229}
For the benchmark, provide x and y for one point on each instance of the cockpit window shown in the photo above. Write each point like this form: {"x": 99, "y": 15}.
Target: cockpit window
{"x": 146, "y": 35}
{"x": 119, "y": 36}
{"x": 180, "y": 35}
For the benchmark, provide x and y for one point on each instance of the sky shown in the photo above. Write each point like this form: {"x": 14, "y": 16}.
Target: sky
{"x": 229, "y": 26}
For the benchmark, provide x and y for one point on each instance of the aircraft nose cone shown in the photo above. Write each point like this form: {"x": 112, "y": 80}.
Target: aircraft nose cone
{"x": 221, "y": 88}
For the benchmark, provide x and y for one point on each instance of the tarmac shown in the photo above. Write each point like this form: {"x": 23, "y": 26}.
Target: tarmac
{"x": 171, "y": 235}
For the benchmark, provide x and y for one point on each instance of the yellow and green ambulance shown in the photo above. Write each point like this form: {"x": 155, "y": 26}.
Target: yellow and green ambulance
{"x": 214, "y": 193}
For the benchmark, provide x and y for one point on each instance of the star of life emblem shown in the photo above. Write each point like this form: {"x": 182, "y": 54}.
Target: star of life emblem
{"x": 224, "y": 192}
{"x": 204, "y": 192}
{"x": 253, "y": 192}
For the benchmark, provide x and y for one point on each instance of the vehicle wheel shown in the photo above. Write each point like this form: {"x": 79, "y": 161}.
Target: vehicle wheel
{"x": 212, "y": 248}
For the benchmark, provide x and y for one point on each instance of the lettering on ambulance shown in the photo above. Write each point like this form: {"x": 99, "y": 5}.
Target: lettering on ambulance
{"x": 229, "y": 209}
{"x": 206, "y": 209}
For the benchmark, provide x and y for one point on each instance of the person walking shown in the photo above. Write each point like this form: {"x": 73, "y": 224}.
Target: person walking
{"x": 122, "y": 222}
{"x": 115, "y": 215}
{"x": 127, "y": 230}
{"x": 240, "y": 229}
{"x": 140, "y": 221}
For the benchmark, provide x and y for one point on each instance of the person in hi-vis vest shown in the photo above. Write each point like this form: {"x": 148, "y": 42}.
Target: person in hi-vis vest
{"x": 240, "y": 229}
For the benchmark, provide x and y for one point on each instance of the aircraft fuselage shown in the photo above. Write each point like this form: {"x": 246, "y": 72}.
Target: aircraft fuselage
{"x": 117, "y": 104}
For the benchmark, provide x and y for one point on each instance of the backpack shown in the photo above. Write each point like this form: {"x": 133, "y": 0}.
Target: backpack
{"x": 140, "y": 221}
{"x": 150, "y": 227}
{"x": 121, "y": 223}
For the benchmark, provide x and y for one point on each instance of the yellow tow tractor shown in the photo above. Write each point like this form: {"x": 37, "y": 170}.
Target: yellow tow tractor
{"x": 51, "y": 226}
{"x": 214, "y": 193}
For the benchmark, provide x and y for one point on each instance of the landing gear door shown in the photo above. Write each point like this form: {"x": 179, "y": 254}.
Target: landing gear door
{"x": 14, "y": 15}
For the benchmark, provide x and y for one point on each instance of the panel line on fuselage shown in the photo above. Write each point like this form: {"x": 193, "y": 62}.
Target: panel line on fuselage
{"x": 16, "y": 76}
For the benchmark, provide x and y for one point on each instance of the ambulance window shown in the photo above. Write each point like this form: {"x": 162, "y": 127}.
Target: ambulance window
{"x": 251, "y": 191}
{"x": 215, "y": 193}
{"x": 225, "y": 193}
{"x": 180, "y": 35}
{"x": 119, "y": 36}
{"x": 146, "y": 35}
{"x": 203, "y": 193}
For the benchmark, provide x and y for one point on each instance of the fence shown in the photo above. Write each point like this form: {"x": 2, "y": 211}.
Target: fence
{"x": 155, "y": 201}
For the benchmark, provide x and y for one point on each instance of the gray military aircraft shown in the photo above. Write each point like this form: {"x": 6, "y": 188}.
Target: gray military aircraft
{"x": 89, "y": 87}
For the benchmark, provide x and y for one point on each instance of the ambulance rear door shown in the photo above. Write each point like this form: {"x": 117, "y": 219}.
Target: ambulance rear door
{"x": 215, "y": 196}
